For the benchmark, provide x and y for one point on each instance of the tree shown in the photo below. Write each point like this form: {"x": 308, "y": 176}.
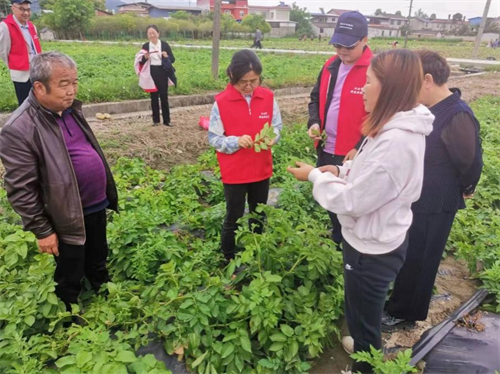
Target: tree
{"x": 379, "y": 12}
{"x": 433, "y": 16}
{"x": 421, "y": 14}
{"x": 457, "y": 17}
{"x": 256, "y": 21}
{"x": 398, "y": 13}
{"x": 5, "y": 6}
{"x": 181, "y": 15}
{"x": 72, "y": 17}
{"x": 302, "y": 17}
{"x": 491, "y": 26}
{"x": 49, "y": 4}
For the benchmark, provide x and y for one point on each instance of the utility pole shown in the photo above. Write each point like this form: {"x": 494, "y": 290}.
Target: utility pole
{"x": 216, "y": 39}
{"x": 408, "y": 30}
{"x": 479, "y": 35}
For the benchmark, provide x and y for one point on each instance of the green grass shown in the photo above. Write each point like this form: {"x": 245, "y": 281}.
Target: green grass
{"x": 106, "y": 72}
{"x": 450, "y": 48}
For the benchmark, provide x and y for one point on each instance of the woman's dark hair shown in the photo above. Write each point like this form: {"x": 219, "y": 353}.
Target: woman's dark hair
{"x": 435, "y": 64}
{"x": 242, "y": 63}
{"x": 400, "y": 74}
{"x": 154, "y": 27}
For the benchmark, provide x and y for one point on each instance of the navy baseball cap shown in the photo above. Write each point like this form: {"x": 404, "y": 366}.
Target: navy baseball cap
{"x": 20, "y": 1}
{"x": 351, "y": 27}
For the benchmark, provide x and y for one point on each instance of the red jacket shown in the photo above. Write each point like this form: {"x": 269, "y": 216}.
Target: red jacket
{"x": 245, "y": 165}
{"x": 18, "y": 55}
{"x": 352, "y": 110}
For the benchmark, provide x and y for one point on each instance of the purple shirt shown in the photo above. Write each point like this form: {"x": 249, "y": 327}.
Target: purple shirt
{"x": 332, "y": 116}
{"x": 87, "y": 164}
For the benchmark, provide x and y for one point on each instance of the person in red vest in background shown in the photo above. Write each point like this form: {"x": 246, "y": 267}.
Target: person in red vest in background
{"x": 336, "y": 105}
{"x": 18, "y": 44}
{"x": 238, "y": 115}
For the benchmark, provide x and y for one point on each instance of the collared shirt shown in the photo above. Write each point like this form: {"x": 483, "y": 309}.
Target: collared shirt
{"x": 27, "y": 36}
{"x": 229, "y": 144}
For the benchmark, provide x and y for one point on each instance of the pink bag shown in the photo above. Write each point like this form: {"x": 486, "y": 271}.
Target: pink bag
{"x": 204, "y": 122}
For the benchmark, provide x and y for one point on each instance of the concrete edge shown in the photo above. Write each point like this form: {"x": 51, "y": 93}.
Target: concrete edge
{"x": 133, "y": 106}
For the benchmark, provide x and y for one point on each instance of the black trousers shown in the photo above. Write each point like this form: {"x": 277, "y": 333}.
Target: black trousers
{"x": 366, "y": 283}
{"x": 236, "y": 195}
{"x": 77, "y": 261}
{"x": 412, "y": 290}
{"x": 325, "y": 158}
{"x": 161, "y": 82}
{"x": 22, "y": 90}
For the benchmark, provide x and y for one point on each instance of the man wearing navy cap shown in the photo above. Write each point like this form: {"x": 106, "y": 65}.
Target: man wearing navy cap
{"x": 337, "y": 100}
{"x": 18, "y": 44}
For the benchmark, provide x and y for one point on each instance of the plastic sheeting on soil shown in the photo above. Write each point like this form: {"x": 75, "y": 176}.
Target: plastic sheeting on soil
{"x": 451, "y": 349}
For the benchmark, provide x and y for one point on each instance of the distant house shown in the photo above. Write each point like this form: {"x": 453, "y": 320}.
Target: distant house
{"x": 278, "y": 17}
{"x": 47, "y": 34}
{"x": 385, "y": 25}
{"x": 324, "y": 23}
{"x": 237, "y": 8}
{"x": 143, "y": 9}
{"x": 419, "y": 24}
{"x": 102, "y": 13}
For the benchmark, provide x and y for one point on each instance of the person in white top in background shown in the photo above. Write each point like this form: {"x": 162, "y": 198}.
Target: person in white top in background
{"x": 159, "y": 51}
{"x": 373, "y": 193}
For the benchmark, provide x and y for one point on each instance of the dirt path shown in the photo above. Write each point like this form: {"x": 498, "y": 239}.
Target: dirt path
{"x": 161, "y": 147}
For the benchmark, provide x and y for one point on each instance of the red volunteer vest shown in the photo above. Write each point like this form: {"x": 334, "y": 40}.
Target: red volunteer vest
{"x": 352, "y": 109}
{"x": 18, "y": 55}
{"x": 245, "y": 165}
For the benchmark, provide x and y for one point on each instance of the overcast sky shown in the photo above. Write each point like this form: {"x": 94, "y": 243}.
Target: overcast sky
{"x": 470, "y": 8}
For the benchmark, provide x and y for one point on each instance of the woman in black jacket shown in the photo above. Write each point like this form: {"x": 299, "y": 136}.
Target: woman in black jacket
{"x": 161, "y": 57}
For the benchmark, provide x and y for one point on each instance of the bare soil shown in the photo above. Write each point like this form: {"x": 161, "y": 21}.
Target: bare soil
{"x": 162, "y": 147}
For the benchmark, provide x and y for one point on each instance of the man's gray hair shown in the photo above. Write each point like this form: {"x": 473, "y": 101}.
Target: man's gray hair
{"x": 42, "y": 65}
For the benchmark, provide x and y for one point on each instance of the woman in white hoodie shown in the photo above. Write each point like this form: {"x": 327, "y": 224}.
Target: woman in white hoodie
{"x": 372, "y": 194}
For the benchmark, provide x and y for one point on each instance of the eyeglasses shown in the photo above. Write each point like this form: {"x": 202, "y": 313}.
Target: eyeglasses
{"x": 251, "y": 82}
{"x": 22, "y": 10}
{"x": 338, "y": 46}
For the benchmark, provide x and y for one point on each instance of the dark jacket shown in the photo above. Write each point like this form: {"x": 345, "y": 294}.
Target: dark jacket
{"x": 453, "y": 157}
{"x": 166, "y": 63}
{"x": 39, "y": 178}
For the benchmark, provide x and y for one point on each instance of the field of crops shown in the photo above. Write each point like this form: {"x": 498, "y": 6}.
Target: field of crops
{"x": 450, "y": 48}
{"x": 275, "y": 316}
{"x": 106, "y": 72}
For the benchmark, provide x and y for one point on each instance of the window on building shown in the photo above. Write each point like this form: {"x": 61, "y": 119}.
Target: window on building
{"x": 382, "y": 32}
{"x": 227, "y": 11}
{"x": 321, "y": 30}
{"x": 392, "y": 22}
{"x": 399, "y": 23}
{"x": 242, "y": 13}
{"x": 272, "y": 15}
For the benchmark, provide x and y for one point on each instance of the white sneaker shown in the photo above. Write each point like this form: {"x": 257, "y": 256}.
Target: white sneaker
{"x": 348, "y": 344}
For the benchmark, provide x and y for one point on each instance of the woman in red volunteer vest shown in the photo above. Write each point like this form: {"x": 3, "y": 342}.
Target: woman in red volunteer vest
{"x": 238, "y": 115}
{"x": 336, "y": 105}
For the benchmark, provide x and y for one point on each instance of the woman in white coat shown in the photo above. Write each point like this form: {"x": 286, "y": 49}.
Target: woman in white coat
{"x": 372, "y": 194}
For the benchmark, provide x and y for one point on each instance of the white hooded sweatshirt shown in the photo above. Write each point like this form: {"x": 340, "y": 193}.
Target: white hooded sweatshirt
{"x": 374, "y": 192}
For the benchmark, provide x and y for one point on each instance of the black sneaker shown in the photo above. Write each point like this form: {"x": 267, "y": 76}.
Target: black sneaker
{"x": 155, "y": 124}
{"x": 169, "y": 124}
{"x": 393, "y": 324}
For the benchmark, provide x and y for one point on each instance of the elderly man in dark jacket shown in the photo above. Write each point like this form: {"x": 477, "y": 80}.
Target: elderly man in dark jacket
{"x": 57, "y": 178}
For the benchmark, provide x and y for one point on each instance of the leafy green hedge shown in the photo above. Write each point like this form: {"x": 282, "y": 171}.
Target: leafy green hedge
{"x": 476, "y": 232}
